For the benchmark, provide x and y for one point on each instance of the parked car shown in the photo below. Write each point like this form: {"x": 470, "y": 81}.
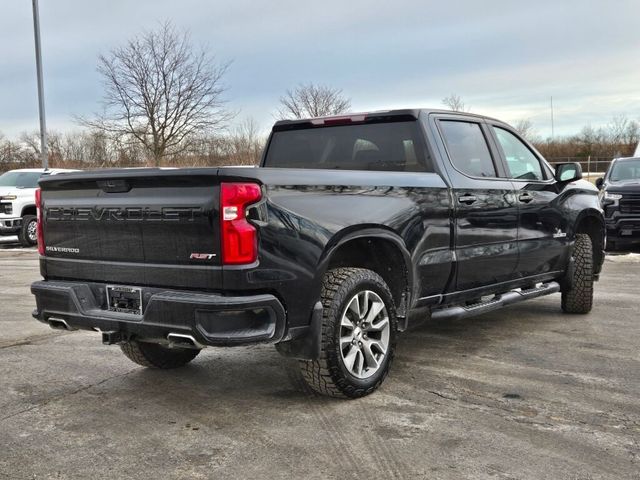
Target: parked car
{"x": 620, "y": 197}
{"x": 352, "y": 229}
{"x": 18, "y": 204}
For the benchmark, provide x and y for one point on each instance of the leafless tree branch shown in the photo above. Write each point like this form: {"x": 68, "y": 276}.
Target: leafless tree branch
{"x": 161, "y": 92}
{"x": 309, "y": 100}
{"x": 454, "y": 102}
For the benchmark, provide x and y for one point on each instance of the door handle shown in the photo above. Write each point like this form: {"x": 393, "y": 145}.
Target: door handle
{"x": 525, "y": 197}
{"x": 467, "y": 199}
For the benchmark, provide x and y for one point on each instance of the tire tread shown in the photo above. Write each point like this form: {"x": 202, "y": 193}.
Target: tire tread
{"x": 579, "y": 298}
{"x": 324, "y": 375}
{"x": 152, "y": 355}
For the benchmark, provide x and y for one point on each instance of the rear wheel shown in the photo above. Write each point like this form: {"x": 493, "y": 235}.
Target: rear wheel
{"x": 358, "y": 335}
{"x": 28, "y": 234}
{"x": 579, "y": 298}
{"x": 153, "y": 355}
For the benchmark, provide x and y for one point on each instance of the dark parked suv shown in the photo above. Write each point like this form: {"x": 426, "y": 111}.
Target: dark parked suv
{"x": 620, "y": 197}
{"x": 353, "y": 229}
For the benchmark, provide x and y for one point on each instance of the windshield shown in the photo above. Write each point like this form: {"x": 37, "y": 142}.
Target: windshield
{"x": 20, "y": 179}
{"x": 625, "y": 170}
{"x": 393, "y": 146}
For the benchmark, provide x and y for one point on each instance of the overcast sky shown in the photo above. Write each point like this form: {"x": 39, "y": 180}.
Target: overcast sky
{"x": 505, "y": 58}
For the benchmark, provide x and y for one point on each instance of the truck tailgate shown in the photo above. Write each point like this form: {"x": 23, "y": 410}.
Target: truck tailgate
{"x": 150, "y": 226}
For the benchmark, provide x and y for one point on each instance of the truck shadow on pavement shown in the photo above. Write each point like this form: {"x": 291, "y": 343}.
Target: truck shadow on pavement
{"x": 260, "y": 372}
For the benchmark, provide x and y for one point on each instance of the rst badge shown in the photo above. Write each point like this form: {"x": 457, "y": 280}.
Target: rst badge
{"x": 202, "y": 256}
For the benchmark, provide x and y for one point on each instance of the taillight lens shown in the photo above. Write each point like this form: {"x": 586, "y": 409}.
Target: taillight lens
{"x": 239, "y": 239}
{"x": 39, "y": 229}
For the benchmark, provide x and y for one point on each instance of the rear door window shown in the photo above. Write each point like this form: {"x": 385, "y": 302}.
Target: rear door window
{"x": 468, "y": 149}
{"x": 388, "y": 146}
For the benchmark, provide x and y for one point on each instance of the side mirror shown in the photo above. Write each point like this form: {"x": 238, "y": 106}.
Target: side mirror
{"x": 568, "y": 172}
{"x": 599, "y": 183}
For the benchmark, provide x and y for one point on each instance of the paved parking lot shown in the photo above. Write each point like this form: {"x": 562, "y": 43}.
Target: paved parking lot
{"x": 526, "y": 392}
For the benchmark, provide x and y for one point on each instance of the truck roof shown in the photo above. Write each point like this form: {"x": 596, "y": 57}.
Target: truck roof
{"x": 356, "y": 117}
{"x": 42, "y": 170}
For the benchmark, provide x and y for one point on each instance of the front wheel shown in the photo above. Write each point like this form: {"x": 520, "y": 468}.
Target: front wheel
{"x": 28, "y": 234}
{"x": 612, "y": 246}
{"x": 579, "y": 298}
{"x": 358, "y": 335}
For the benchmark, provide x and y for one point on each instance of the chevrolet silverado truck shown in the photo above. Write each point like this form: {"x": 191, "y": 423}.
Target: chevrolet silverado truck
{"x": 351, "y": 230}
{"x": 620, "y": 198}
{"x": 18, "y": 202}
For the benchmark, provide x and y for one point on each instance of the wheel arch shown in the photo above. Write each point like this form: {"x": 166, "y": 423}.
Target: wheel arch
{"x": 376, "y": 248}
{"x": 28, "y": 210}
{"x": 592, "y": 223}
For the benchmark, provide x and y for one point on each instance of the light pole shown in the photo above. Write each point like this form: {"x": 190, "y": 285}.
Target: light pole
{"x": 43, "y": 123}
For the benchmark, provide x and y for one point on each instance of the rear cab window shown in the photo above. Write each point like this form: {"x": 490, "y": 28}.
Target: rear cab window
{"x": 382, "y": 146}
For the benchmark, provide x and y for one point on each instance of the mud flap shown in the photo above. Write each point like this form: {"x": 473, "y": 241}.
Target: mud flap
{"x": 307, "y": 346}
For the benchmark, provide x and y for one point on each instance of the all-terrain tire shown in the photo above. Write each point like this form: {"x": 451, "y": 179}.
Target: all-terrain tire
{"x": 153, "y": 355}
{"x": 26, "y": 235}
{"x": 579, "y": 298}
{"x": 328, "y": 375}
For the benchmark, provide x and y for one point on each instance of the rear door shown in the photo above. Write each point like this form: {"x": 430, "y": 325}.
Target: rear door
{"x": 542, "y": 239}
{"x": 486, "y": 213}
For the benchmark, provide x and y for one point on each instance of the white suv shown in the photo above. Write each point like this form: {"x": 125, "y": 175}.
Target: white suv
{"x": 18, "y": 202}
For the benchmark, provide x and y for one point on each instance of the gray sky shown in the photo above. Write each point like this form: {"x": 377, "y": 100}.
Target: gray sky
{"x": 505, "y": 58}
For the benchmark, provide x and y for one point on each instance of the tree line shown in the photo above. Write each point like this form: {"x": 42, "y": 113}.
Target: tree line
{"x": 164, "y": 105}
{"x": 618, "y": 138}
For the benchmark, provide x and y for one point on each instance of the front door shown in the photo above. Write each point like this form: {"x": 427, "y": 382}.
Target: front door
{"x": 542, "y": 238}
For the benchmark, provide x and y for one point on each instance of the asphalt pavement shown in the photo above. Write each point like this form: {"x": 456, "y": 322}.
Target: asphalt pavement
{"x": 523, "y": 393}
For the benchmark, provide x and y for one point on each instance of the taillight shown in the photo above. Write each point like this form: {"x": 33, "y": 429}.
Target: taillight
{"x": 239, "y": 239}
{"x": 39, "y": 229}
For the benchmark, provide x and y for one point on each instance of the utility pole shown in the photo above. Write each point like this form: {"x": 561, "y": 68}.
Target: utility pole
{"x": 552, "y": 132}
{"x": 43, "y": 123}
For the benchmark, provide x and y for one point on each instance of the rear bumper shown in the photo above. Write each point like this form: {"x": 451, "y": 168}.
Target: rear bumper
{"x": 210, "y": 319}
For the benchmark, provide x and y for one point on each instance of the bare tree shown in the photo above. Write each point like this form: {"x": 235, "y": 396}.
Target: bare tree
{"x": 617, "y": 128}
{"x": 31, "y": 141}
{"x": 454, "y": 102}
{"x": 309, "y": 100}
{"x": 247, "y": 142}
{"x": 162, "y": 92}
{"x": 525, "y": 127}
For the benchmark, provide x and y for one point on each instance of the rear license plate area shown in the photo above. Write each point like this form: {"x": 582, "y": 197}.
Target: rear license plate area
{"x": 124, "y": 299}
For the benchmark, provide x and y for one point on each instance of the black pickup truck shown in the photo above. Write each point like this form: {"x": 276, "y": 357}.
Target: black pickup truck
{"x": 352, "y": 229}
{"x": 620, "y": 198}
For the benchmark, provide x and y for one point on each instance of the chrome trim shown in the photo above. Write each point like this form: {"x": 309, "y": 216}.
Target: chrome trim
{"x": 184, "y": 336}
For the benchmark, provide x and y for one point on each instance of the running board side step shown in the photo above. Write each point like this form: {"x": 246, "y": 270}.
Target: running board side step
{"x": 496, "y": 302}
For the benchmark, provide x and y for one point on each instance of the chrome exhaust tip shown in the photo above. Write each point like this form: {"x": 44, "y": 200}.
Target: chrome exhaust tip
{"x": 182, "y": 340}
{"x": 59, "y": 324}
